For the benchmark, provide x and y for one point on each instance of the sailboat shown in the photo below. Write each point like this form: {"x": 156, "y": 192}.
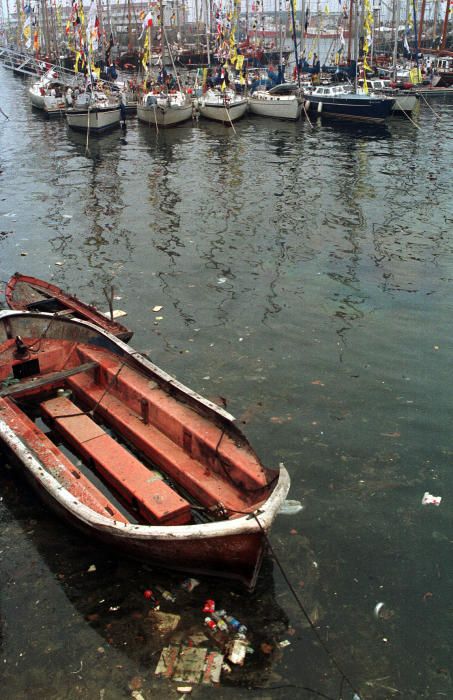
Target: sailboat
{"x": 48, "y": 93}
{"x": 222, "y": 105}
{"x": 92, "y": 110}
{"x": 269, "y": 103}
{"x": 162, "y": 107}
{"x": 279, "y": 102}
{"x": 348, "y": 102}
{"x": 220, "y": 102}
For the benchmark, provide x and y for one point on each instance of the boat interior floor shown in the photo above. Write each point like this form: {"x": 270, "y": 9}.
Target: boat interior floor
{"x": 156, "y": 459}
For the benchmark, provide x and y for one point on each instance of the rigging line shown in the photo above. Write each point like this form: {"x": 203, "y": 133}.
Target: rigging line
{"x": 300, "y": 604}
{"x": 306, "y": 113}
{"x": 407, "y": 115}
{"x": 228, "y": 112}
{"x": 428, "y": 105}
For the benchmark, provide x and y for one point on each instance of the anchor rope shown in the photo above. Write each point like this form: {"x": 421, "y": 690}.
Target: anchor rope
{"x": 332, "y": 658}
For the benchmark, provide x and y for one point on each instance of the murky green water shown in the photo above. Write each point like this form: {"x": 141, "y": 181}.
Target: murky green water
{"x": 305, "y": 275}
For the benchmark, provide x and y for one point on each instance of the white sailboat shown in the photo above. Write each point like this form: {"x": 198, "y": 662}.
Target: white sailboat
{"x": 94, "y": 111}
{"x": 222, "y": 105}
{"x": 48, "y": 94}
{"x": 165, "y": 108}
{"x": 276, "y": 103}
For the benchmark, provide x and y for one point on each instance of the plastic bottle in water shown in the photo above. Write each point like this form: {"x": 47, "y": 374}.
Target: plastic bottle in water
{"x": 222, "y": 626}
{"x": 209, "y": 622}
{"x": 233, "y": 623}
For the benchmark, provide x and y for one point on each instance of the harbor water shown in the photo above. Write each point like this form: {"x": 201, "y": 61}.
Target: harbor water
{"x": 305, "y": 278}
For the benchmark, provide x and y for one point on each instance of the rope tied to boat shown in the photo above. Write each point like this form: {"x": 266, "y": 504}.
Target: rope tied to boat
{"x": 344, "y": 678}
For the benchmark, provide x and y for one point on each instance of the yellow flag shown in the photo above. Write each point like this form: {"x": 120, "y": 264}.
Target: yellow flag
{"x": 76, "y": 62}
{"x": 239, "y": 61}
{"x": 223, "y": 86}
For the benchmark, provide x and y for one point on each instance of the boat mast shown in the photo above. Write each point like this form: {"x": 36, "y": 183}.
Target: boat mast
{"x": 129, "y": 26}
{"x": 295, "y": 41}
{"x": 208, "y": 32}
{"x": 414, "y": 9}
{"x": 302, "y": 29}
{"x": 356, "y": 45}
{"x": 422, "y": 19}
{"x": 397, "y": 10}
{"x": 443, "y": 42}
{"x": 162, "y": 38}
{"x": 351, "y": 15}
{"x": 197, "y": 19}
{"x": 19, "y": 26}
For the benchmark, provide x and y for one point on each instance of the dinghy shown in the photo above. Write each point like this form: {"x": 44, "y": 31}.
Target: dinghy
{"x": 26, "y": 293}
{"x": 128, "y": 454}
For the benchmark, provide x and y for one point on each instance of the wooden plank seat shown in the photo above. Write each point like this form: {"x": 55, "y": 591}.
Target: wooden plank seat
{"x": 37, "y": 382}
{"x": 56, "y": 463}
{"x": 207, "y": 487}
{"x": 157, "y": 503}
{"x": 198, "y": 436}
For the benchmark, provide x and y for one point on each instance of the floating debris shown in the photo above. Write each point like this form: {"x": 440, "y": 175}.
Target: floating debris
{"x": 284, "y": 643}
{"x": 117, "y": 313}
{"x": 237, "y": 650}
{"x": 290, "y": 507}
{"x": 189, "y": 584}
{"x": 429, "y": 499}
{"x": 377, "y": 609}
{"x": 91, "y": 568}
{"x": 157, "y": 308}
{"x": 190, "y": 664}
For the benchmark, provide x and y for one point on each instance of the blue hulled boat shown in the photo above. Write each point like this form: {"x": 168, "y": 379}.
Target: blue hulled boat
{"x": 336, "y": 101}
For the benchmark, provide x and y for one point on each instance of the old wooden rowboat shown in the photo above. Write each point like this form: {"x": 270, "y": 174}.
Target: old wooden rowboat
{"x": 127, "y": 453}
{"x": 26, "y": 293}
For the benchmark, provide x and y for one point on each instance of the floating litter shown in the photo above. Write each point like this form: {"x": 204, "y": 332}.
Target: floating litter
{"x": 429, "y": 499}
{"x": 290, "y": 507}
{"x": 377, "y": 609}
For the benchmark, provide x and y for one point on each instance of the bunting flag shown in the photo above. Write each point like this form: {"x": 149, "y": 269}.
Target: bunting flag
{"x": 92, "y": 29}
{"x": 307, "y": 18}
{"x": 145, "y": 57}
{"x": 35, "y": 40}
{"x": 367, "y": 39}
{"x": 406, "y": 44}
{"x": 26, "y": 31}
{"x": 147, "y": 22}
{"x": 76, "y": 62}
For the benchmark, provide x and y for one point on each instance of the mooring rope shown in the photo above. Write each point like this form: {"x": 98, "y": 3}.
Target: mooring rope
{"x": 344, "y": 676}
